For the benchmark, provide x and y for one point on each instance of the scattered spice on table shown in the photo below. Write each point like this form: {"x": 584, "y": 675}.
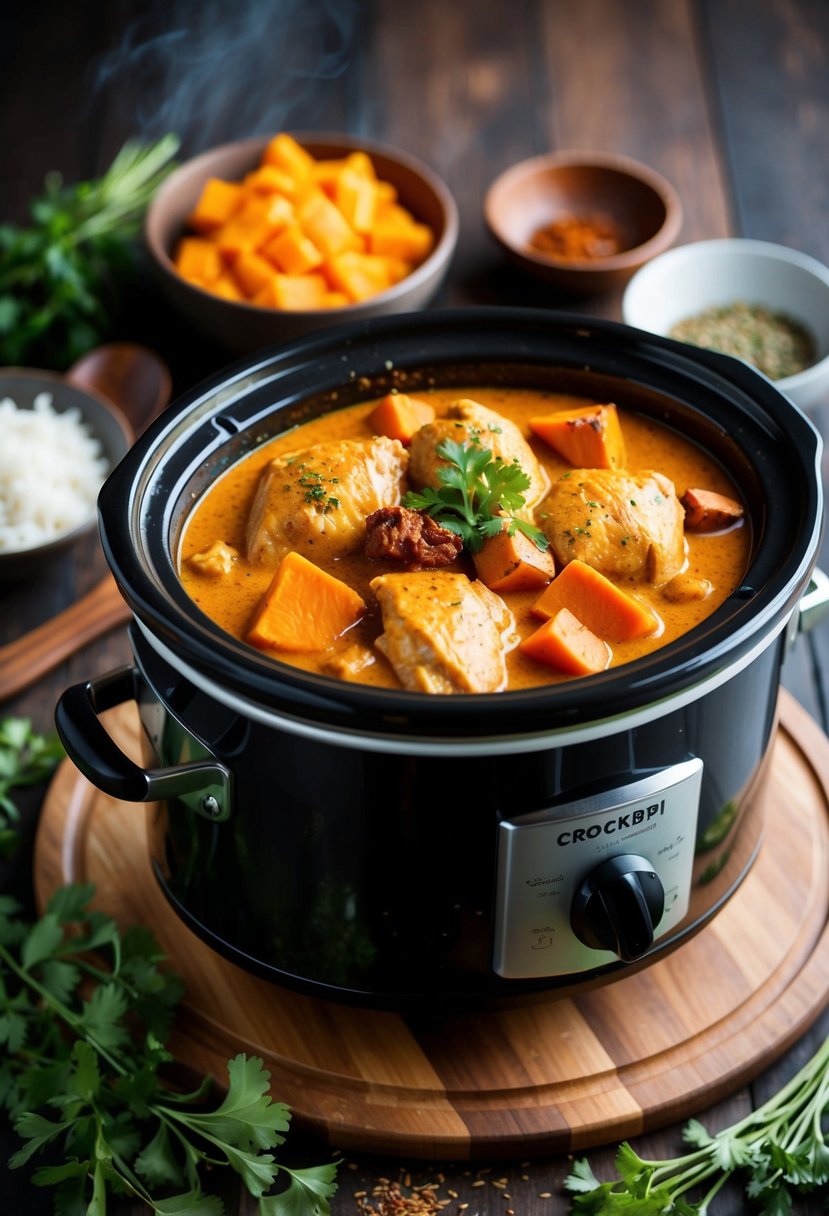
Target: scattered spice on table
{"x": 771, "y": 341}
{"x": 389, "y": 1198}
{"x": 579, "y": 237}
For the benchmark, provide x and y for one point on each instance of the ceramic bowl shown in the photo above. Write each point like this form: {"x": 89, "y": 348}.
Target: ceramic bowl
{"x": 643, "y": 208}
{"x": 686, "y": 280}
{"x": 102, "y": 421}
{"x": 243, "y": 327}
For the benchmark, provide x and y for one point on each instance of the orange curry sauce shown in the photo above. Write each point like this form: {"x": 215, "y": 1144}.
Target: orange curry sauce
{"x": 231, "y": 600}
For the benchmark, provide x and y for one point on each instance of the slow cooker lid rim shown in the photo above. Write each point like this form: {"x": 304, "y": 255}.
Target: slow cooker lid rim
{"x": 370, "y": 736}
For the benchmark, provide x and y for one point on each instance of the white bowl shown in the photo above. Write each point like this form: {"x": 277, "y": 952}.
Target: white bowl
{"x": 690, "y": 278}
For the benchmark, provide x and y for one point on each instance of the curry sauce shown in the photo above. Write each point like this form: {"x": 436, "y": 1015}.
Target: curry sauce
{"x": 231, "y": 598}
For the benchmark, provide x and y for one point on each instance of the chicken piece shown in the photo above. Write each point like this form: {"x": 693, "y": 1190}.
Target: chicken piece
{"x": 626, "y": 524}
{"x": 315, "y": 501}
{"x": 215, "y": 561}
{"x": 348, "y": 664}
{"x": 466, "y": 420}
{"x": 444, "y": 633}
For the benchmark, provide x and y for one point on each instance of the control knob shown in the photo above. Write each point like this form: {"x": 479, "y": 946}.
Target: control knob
{"x": 618, "y": 906}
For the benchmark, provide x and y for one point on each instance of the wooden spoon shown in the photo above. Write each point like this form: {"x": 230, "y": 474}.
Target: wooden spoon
{"x": 131, "y": 376}
{"x": 31, "y": 656}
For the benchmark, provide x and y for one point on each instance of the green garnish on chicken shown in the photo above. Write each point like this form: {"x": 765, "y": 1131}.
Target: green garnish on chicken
{"x": 477, "y": 492}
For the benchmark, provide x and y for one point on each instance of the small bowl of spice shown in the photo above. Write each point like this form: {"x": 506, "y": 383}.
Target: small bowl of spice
{"x": 764, "y": 303}
{"x": 583, "y": 221}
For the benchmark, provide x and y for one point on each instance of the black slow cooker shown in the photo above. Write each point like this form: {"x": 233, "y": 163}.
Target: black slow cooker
{"x": 401, "y": 849}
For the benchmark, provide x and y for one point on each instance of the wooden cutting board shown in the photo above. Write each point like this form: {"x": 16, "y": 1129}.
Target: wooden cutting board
{"x": 648, "y": 1050}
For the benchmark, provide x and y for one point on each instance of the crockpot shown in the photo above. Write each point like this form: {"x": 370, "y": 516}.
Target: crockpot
{"x": 400, "y": 849}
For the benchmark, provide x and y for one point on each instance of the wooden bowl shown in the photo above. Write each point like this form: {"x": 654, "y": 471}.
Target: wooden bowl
{"x": 243, "y": 327}
{"x": 638, "y": 202}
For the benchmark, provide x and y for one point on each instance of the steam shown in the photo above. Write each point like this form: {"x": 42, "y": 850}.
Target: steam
{"x": 224, "y": 69}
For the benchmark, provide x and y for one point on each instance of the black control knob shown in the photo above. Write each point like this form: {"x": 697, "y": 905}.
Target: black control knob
{"x": 618, "y": 906}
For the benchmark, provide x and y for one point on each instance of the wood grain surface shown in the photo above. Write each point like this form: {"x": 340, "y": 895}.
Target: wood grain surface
{"x": 547, "y": 1077}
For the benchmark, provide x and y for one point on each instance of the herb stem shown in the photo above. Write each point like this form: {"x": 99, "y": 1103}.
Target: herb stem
{"x": 71, "y": 1019}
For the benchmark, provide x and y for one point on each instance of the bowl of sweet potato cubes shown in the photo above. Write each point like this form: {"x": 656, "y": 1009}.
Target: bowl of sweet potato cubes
{"x": 269, "y": 238}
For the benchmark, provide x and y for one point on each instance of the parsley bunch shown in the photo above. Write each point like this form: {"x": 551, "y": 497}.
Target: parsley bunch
{"x": 26, "y": 758}
{"x": 477, "y": 491}
{"x": 56, "y": 274}
{"x": 82, "y": 1046}
{"x": 780, "y": 1147}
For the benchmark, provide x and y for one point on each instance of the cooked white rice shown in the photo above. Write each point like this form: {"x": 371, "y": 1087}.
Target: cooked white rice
{"x": 51, "y": 469}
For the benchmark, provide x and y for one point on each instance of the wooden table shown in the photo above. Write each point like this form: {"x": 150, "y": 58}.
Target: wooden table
{"x": 728, "y": 98}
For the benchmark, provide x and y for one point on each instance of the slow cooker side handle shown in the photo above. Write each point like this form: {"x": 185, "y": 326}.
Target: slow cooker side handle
{"x": 814, "y": 605}
{"x": 102, "y": 761}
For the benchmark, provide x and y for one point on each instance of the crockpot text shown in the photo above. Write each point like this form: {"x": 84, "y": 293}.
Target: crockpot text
{"x": 630, "y": 819}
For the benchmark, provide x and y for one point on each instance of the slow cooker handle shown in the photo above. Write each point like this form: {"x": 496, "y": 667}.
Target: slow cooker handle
{"x": 103, "y": 762}
{"x": 814, "y": 605}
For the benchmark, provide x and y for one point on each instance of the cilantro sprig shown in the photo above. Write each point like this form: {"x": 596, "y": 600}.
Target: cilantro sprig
{"x": 82, "y": 1049}
{"x": 477, "y": 491}
{"x": 26, "y": 758}
{"x": 780, "y": 1149}
{"x": 56, "y": 273}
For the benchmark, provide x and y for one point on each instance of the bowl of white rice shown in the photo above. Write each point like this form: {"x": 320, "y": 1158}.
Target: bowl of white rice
{"x": 58, "y": 443}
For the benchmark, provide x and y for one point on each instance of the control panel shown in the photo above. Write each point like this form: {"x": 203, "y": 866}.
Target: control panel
{"x": 598, "y": 879}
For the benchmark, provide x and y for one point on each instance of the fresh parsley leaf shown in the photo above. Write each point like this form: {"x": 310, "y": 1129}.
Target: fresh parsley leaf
{"x": 26, "y": 758}
{"x": 57, "y": 275}
{"x": 80, "y": 1075}
{"x": 780, "y": 1149}
{"x": 477, "y": 492}
{"x": 308, "y": 1193}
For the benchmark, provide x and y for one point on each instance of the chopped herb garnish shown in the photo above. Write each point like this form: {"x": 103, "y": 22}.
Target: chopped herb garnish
{"x": 313, "y": 484}
{"x": 477, "y": 491}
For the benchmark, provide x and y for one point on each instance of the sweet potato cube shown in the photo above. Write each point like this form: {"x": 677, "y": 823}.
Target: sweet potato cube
{"x": 293, "y": 292}
{"x": 360, "y": 162}
{"x": 590, "y": 437}
{"x": 398, "y": 416}
{"x": 334, "y": 299}
{"x": 359, "y": 275}
{"x": 565, "y": 643}
{"x": 218, "y": 201}
{"x": 257, "y": 221}
{"x": 284, "y": 152}
{"x": 226, "y": 287}
{"x": 356, "y": 197}
{"x": 320, "y": 220}
{"x": 386, "y": 194}
{"x": 252, "y": 273}
{"x": 304, "y": 608}
{"x": 198, "y": 260}
{"x": 270, "y": 179}
{"x": 292, "y": 251}
{"x": 600, "y": 604}
{"x": 406, "y": 239}
{"x": 708, "y": 511}
{"x": 513, "y": 563}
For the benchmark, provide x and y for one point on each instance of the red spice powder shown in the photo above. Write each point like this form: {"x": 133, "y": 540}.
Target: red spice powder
{"x": 579, "y": 237}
